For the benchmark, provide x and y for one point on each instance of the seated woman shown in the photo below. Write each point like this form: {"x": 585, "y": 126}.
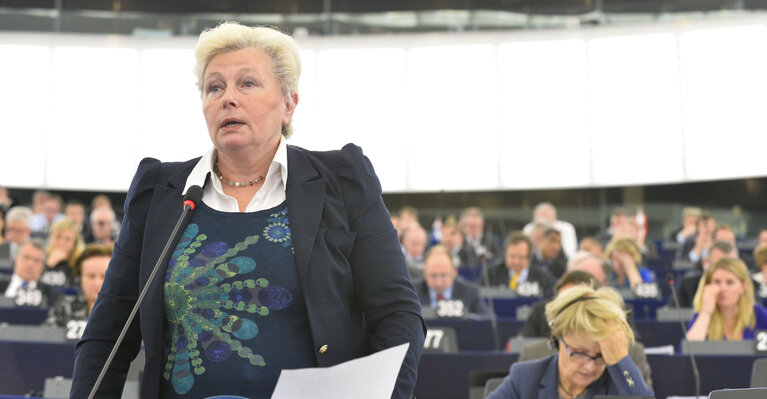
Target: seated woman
{"x": 589, "y": 329}
{"x": 72, "y": 311}
{"x": 725, "y": 304}
{"x": 626, "y": 259}
{"x": 64, "y": 246}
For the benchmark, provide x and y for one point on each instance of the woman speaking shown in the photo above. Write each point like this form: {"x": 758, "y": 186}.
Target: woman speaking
{"x": 289, "y": 261}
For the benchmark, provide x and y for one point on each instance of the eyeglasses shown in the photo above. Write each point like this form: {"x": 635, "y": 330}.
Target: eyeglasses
{"x": 582, "y": 358}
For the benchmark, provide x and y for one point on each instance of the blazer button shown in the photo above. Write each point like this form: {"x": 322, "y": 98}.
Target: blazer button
{"x": 323, "y": 349}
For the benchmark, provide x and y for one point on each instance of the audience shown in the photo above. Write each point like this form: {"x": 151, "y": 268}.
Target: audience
{"x": 407, "y": 218}
{"x": 38, "y": 199}
{"x": 630, "y": 230}
{"x": 725, "y": 304}
{"x": 74, "y": 211}
{"x": 762, "y": 238}
{"x": 23, "y": 284}
{"x": 626, "y": 263}
{"x": 760, "y": 277}
{"x": 618, "y": 217}
{"x": 515, "y": 270}
{"x": 452, "y": 240}
{"x": 16, "y": 231}
{"x": 690, "y": 215}
{"x": 6, "y": 200}
{"x": 64, "y": 247}
{"x": 548, "y": 255}
{"x": 688, "y": 285}
{"x": 591, "y": 245}
{"x": 102, "y": 226}
{"x": 694, "y": 248}
{"x": 68, "y": 310}
{"x": 546, "y": 211}
{"x": 51, "y": 213}
{"x": 414, "y": 246}
{"x": 441, "y": 283}
{"x": 479, "y": 244}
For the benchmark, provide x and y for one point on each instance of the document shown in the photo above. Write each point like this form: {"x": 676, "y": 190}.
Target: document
{"x": 370, "y": 377}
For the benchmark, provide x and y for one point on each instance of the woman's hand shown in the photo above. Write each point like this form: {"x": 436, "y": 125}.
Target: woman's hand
{"x": 629, "y": 267}
{"x": 615, "y": 347}
{"x": 708, "y": 303}
{"x": 57, "y": 255}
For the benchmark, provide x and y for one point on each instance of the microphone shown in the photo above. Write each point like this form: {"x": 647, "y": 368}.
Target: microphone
{"x": 493, "y": 317}
{"x": 695, "y": 372}
{"x": 191, "y": 198}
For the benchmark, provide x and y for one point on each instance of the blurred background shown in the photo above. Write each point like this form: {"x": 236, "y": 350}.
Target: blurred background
{"x": 501, "y": 104}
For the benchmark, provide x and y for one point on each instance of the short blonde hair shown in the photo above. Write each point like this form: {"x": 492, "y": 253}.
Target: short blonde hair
{"x": 745, "y": 317}
{"x": 595, "y": 318}
{"x": 626, "y": 245}
{"x": 228, "y": 36}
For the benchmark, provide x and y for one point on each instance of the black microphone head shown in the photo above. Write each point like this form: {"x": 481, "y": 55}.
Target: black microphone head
{"x": 193, "y": 194}
{"x": 670, "y": 278}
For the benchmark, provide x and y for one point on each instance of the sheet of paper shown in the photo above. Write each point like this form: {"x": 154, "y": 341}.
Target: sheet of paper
{"x": 370, "y": 377}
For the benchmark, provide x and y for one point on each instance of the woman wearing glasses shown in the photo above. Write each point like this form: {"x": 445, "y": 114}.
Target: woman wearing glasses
{"x": 589, "y": 327}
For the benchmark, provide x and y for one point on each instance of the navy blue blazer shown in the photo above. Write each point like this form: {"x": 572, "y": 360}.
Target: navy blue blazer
{"x": 359, "y": 297}
{"x": 539, "y": 379}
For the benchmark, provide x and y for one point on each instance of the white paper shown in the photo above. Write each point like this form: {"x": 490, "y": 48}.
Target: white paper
{"x": 370, "y": 377}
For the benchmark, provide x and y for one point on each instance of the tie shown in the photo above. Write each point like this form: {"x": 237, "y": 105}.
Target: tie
{"x": 513, "y": 282}
{"x": 440, "y": 297}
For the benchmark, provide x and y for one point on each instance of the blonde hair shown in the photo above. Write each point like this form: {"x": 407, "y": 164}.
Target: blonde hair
{"x": 595, "y": 318}
{"x": 228, "y": 36}
{"x": 60, "y": 227}
{"x": 745, "y": 316}
{"x": 626, "y": 245}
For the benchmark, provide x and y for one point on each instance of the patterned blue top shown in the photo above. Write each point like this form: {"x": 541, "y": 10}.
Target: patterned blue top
{"x": 234, "y": 309}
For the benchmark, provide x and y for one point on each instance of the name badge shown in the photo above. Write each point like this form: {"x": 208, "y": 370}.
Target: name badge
{"x": 75, "y": 329}
{"x": 29, "y": 298}
{"x": 56, "y": 278}
{"x": 760, "y": 339}
{"x": 647, "y": 290}
{"x": 529, "y": 288}
{"x": 433, "y": 339}
{"x": 450, "y": 308}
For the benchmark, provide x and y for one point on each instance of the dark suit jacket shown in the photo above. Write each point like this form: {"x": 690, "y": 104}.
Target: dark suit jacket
{"x": 538, "y": 379}
{"x": 359, "y": 298}
{"x": 465, "y": 292}
{"x": 556, "y": 267}
{"x": 498, "y": 275}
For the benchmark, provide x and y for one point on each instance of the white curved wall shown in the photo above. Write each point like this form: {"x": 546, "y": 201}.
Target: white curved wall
{"x": 643, "y": 104}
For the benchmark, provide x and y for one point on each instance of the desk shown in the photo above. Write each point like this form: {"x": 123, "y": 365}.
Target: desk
{"x": 446, "y": 375}
{"x": 28, "y": 316}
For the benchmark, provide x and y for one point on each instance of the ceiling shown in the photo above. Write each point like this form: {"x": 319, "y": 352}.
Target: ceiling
{"x": 332, "y": 17}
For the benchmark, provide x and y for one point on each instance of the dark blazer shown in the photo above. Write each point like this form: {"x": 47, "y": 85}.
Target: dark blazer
{"x": 359, "y": 298}
{"x": 498, "y": 275}
{"x": 556, "y": 267}
{"x": 538, "y": 379}
{"x": 465, "y": 292}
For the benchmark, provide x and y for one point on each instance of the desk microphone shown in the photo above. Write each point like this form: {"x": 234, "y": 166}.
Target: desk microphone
{"x": 493, "y": 317}
{"x": 670, "y": 279}
{"x": 192, "y": 197}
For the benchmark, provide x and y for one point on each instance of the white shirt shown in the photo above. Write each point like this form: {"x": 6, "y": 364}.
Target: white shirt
{"x": 566, "y": 232}
{"x": 271, "y": 194}
{"x": 15, "y": 284}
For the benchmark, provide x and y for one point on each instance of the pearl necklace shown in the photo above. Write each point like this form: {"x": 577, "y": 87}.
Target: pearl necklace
{"x": 235, "y": 183}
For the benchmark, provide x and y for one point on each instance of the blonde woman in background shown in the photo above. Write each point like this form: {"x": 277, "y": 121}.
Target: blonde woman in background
{"x": 725, "y": 304}
{"x": 64, "y": 247}
{"x": 625, "y": 257}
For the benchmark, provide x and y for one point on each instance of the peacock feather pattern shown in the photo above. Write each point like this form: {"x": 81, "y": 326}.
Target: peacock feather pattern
{"x": 205, "y": 286}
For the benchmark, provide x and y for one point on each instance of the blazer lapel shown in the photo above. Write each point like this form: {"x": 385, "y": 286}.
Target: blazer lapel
{"x": 164, "y": 211}
{"x": 305, "y": 194}
{"x": 549, "y": 387}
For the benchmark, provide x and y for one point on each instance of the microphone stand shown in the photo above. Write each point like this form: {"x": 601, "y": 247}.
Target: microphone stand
{"x": 493, "y": 317}
{"x": 695, "y": 372}
{"x": 193, "y": 195}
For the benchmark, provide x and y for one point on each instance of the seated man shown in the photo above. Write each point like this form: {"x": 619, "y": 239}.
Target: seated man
{"x": 694, "y": 247}
{"x": 103, "y": 221}
{"x": 452, "y": 240}
{"x": 414, "y": 245}
{"x": 760, "y": 277}
{"x": 689, "y": 284}
{"x": 72, "y": 311}
{"x": 479, "y": 244}
{"x": 50, "y": 215}
{"x": 23, "y": 285}
{"x": 16, "y": 232}
{"x": 546, "y": 211}
{"x": 441, "y": 283}
{"x": 548, "y": 255}
{"x": 515, "y": 270}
